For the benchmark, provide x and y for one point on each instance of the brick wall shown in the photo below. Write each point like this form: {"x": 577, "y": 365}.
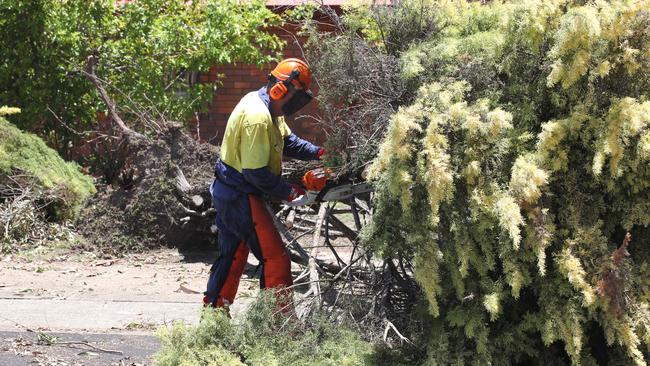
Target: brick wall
{"x": 236, "y": 81}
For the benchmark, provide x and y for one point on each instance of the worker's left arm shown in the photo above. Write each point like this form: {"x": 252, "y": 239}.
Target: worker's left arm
{"x": 297, "y": 148}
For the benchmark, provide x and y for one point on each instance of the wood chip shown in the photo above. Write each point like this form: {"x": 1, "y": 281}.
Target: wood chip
{"x": 88, "y": 353}
{"x": 105, "y": 263}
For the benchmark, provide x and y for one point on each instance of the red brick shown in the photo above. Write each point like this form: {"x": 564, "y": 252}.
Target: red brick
{"x": 238, "y": 84}
{"x": 223, "y": 109}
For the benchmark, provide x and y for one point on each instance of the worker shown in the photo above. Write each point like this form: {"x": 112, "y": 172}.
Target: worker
{"x": 249, "y": 168}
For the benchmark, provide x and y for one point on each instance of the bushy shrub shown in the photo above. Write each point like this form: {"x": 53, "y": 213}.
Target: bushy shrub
{"x": 263, "y": 337}
{"x": 513, "y": 175}
{"x": 38, "y": 190}
{"x": 26, "y": 154}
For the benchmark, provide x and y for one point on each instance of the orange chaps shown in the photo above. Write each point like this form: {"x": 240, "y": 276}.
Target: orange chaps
{"x": 266, "y": 245}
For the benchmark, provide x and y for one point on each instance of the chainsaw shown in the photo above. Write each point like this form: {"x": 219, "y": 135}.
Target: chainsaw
{"x": 319, "y": 188}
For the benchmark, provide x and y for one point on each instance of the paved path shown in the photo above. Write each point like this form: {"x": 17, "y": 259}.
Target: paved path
{"x": 82, "y": 292}
{"x": 93, "y": 315}
{"x": 114, "y": 304}
{"x": 23, "y": 348}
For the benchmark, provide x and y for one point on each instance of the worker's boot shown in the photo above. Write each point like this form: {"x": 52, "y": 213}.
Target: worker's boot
{"x": 219, "y": 304}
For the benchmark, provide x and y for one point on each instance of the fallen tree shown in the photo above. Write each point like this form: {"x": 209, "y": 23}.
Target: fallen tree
{"x": 510, "y": 174}
{"x": 163, "y": 197}
{"x": 39, "y": 191}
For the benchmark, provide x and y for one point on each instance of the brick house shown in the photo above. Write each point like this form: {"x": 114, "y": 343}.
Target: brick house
{"x": 239, "y": 79}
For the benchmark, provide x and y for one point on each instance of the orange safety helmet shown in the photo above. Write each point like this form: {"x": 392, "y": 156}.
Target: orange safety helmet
{"x": 291, "y": 71}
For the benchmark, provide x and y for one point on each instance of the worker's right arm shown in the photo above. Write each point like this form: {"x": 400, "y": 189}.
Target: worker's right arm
{"x": 255, "y": 147}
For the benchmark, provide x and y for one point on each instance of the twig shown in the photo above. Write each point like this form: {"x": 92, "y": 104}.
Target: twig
{"x": 65, "y": 124}
{"x": 283, "y": 230}
{"x": 85, "y": 343}
{"x": 621, "y": 252}
{"x": 329, "y": 243}
{"x": 390, "y": 325}
{"x": 91, "y": 62}
{"x": 355, "y": 214}
{"x": 313, "y": 273}
{"x": 51, "y": 340}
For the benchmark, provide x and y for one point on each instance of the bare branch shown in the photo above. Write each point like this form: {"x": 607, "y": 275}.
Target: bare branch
{"x": 313, "y": 273}
{"x": 91, "y": 63}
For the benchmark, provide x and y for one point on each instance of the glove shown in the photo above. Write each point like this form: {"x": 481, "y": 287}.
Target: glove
{"x": 296, "y": 191}
{"x": 320, "y": 153}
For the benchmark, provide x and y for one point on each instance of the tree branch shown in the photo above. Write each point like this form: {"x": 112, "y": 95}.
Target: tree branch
{"x": 91, "y": 63}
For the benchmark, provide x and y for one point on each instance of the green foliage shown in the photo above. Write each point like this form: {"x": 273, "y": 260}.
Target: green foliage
{"x": 392, "y": 29}
{"x": 144, "y": 49}
{"x": 512, "y": 177}
{"x": 262, "y": 337}
{"x": 24, "y": 153}
{"x": 35, "y": 70}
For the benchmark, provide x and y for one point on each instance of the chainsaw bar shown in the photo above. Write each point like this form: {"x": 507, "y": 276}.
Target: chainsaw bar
{"x": 342, "y": 192}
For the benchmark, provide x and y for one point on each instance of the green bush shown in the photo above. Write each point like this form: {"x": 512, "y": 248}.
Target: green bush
{"x": 263, "y": 337}
{"x": 27, "y": 155}
{"x": 144, "y": 50}
{"x": 512, "y": 179}
{"x": 511, "y": 168}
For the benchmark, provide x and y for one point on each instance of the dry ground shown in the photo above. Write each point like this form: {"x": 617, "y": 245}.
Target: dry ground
{"x": 111, "y": 303}
{"x": 114, "y": 304}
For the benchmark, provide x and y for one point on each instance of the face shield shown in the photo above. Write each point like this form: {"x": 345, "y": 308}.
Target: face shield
{"x": 299, "y": 100}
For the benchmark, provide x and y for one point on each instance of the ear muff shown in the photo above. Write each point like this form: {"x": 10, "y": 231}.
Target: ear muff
{"x": 280, "y": 88}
